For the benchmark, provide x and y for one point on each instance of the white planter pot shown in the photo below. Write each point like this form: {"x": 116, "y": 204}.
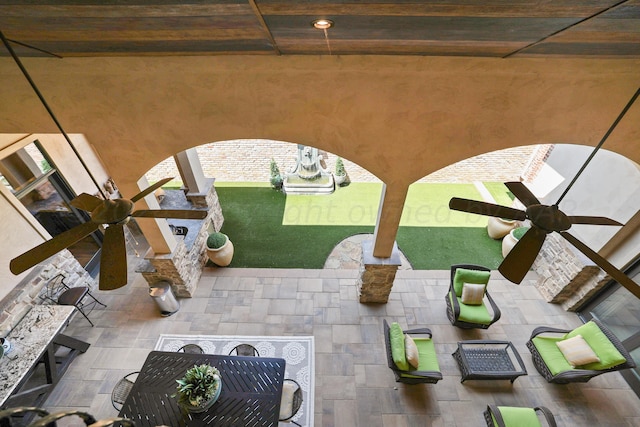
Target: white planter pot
{"x": 497, "y": 228}
{"x": 509, "y": 242}
{"x": 339, "y": 179}
{"x": 223, "y": 255}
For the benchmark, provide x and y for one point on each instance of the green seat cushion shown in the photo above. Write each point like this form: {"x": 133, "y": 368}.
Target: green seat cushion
{"x": 427, "y": 359}
{"x": 551, "y": 354}
{"x": 464, "y": 275}
{"x": 518, "y": 417}
{"x": 601, "y": 345}
{"x": 396, "y": 339}
{"x": 478, "y": 314}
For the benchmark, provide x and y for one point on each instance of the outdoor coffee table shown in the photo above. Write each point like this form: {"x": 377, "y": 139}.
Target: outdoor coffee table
{"x": 489, "y": 360}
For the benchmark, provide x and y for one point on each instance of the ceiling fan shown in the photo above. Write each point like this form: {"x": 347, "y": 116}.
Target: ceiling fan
{"x": 114, "y": 214}
{"x": 111, "y": 213}
{"x": 546, "y": 219}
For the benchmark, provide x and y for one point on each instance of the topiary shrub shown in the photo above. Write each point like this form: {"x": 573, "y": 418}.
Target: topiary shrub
{"x": 216, "y": 240}
{"x": 340, "y": 171}
{"x": 275, "y": 177}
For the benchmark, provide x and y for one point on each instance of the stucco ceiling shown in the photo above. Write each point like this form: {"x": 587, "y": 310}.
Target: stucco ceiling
{"x": 497, "y": 28}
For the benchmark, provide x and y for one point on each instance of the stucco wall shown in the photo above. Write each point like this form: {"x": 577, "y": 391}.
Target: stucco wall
{"x": 401, "y": 118}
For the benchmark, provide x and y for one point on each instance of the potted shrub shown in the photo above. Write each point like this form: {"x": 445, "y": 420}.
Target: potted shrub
{"x": 219, "y": 249}
{"x": 340, "y": 175}
{"x": 199, "y": 388}
{"x": 275, "y": 177}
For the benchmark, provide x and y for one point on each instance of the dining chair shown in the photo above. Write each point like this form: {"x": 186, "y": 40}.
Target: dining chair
{"x": 244, "y": 350}
{"x": 291, "y": 401}
{"x": 58, "y": 292}
{"x": 122, "y": 389}
{"x": 191, "y": 348}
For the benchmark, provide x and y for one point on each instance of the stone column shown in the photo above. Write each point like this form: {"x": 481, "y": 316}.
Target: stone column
{"x": 377, "y": 274}
{"x": 183, "y": 266}
{"x": 565, "y": 275}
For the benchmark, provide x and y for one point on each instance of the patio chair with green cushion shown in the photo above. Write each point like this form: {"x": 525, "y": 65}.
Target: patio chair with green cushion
{"x": 564, "y": 356}
{"x": 468, "y": 300}
{"x": 412, "y": 358}
{"x": 511, "y": 416}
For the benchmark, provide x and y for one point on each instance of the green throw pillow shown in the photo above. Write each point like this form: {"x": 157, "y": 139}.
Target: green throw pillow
{"x": 464, "y": 275}
{"x": 396, "y": 339}
{"x": 598, "y": 341}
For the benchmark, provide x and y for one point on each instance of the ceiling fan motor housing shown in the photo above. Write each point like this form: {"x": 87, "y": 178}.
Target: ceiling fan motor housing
{"x": 112, "y": 212}
{"x": 548, "y": 218}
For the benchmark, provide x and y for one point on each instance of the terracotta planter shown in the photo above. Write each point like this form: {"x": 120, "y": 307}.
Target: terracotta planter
{"x": 497, "y": 228}
{"x": 223, "y": 255}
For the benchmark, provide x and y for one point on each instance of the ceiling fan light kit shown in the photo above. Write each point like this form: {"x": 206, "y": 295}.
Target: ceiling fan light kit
{"x": 547, "y": 219}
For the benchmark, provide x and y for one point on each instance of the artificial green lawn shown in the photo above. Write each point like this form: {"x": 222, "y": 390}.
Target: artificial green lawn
{"x": 272, "y": 230}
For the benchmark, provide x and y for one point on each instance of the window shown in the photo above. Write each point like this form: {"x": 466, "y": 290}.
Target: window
{"x": 32, "y": 178}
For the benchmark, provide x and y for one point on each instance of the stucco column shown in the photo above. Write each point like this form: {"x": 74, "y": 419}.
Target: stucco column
{"x": 381, "y": 257}
{"x": 190, "y": 170}
{"x": 156, "y": 231}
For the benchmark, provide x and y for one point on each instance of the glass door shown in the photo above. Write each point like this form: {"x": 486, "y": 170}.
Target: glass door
{"x": 32, "y": 178}
{"x": 619, "y": 310}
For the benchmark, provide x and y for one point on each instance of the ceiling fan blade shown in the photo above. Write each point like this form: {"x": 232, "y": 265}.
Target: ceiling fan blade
{"x": 150, "y": 189}
{"x": 519, "y": 260}
{"x": 51, "y": 247}
{"x": 113, "y": 260}
{"x": 522, "y": 193}
{"x": 86, "y": 202}
{"x": 484, "y": 208}
{"x": 609, "y": 268}
{"x": 171, "y": 213}
{"x": 594, "y": 220}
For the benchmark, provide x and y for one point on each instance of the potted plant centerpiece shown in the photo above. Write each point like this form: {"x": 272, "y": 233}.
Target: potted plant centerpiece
{"x": 199, "y": 388}
{"x": 219, "y": 249}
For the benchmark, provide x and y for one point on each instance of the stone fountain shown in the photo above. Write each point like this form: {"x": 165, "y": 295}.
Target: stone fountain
{"x": 308, "y": 176}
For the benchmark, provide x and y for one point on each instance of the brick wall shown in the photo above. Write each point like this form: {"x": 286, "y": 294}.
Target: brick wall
{"x": 248, "y": 160}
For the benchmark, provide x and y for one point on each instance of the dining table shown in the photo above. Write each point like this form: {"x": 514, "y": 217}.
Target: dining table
{"x": 250, "y": 395}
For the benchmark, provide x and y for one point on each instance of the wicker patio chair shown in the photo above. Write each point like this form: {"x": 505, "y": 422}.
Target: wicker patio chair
{"x": 470, "y": 316}
{"x": 428, "y": 370}
{"x": 509, "y": 416}
{"x": 554, "y": 367}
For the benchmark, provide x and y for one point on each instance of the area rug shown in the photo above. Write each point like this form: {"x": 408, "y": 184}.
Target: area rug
{"x": 298, "y": 351}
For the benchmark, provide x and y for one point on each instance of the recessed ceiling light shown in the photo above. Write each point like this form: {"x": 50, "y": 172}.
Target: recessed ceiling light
{"x": 322, "y": 24}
